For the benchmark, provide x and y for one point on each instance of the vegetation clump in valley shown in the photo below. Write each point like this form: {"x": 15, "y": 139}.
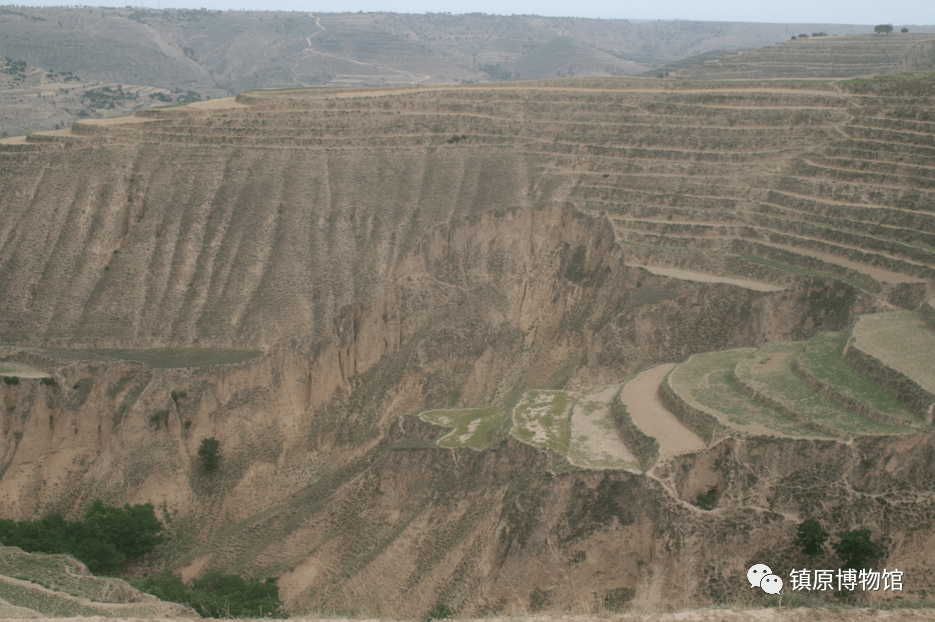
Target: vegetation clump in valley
{"x": 218, "y": 595}
{"x": 104, "y": 541}
{"x": 208, "y": 452}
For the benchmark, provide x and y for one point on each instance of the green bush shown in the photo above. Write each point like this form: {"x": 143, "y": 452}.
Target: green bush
{"x": 11, "y": 379}
{"x": 218, "y": 595}
{"x": 440, "y": 611}
{"x": 704, "y": 501}
{"x": 48, "y": 381}
{"x": 103, "y": 541}
{"x": 810, "y": 537}
{"x": 855, "y": 548}
{"x": 208, "y": 452}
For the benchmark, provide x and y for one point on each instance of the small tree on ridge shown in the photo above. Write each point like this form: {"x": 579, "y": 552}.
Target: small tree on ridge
{"x": 811, "y": 537}
{"x": 855, "y": 548}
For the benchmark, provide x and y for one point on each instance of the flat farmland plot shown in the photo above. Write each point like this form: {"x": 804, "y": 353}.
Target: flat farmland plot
{"x": 8, "y": 368}
{"x": 159, "y": 358}
{"x": 542, "y": 419}
{"x": 594, "y": 441}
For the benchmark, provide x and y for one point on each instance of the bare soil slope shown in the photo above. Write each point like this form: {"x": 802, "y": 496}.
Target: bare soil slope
{"x": 429, "y": 247}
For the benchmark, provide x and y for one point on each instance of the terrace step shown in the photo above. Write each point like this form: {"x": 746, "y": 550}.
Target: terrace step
{"x": 768, "y": 378}
{"x": 594, "y": 441}
{"x": 702, "y": 392}
{"x": 927, "y": 311}
{"x": 822, "y": 367}
{"x": 641, "y": 398}
{"x": 895, "y": 350}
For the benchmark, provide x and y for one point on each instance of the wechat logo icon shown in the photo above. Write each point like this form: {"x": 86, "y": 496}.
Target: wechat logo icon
{"x": 759, "y": 575}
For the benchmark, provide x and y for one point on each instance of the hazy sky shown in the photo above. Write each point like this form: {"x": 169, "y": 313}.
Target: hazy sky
{"x": 901, "y": 12}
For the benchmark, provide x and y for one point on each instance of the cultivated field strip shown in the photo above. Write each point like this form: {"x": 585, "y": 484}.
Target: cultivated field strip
{"x": 811, "y": 57}
{"x": 821, "y": 365}
{"x": 705, "y": 382}
{"x": 896, "y": 350}
{"x": 641, "y": 398}
{"x": 768, "y": 377}
{"x": 777, "y": 179}
{"x": 594, "y": 441}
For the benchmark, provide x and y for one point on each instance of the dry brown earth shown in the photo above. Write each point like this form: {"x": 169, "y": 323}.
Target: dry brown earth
{"x": 641, "y": 397}
{"x": 443, "y": 247}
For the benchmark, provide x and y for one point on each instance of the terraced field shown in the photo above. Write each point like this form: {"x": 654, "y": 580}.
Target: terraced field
{"x": 787, "y": 389}
{"x": 20, "y": 370}
{"x": 896, "y": 350}
{"x": 594, "y": 441}
{"x": 768, "y": 377}
{"x": 705, "y": 383}
{"x": 821, "y": 365}
{"x": 761, "y": 182}
{"x": 59, "y": 586}
{"x": 640, "y": 396}
{"x": 813, "y": 57}
{"x": 158, "y": 358}
{"x": 754, "y": 184}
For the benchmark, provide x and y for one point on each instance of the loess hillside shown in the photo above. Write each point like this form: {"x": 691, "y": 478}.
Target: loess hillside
{"x": 300, "y": 273}
{"x": 258, "y": 222}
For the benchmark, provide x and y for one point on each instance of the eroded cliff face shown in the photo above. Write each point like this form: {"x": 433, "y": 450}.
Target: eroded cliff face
{"x": 328, "y": 481}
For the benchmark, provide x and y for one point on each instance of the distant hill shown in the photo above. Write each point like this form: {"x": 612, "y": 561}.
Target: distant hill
{"x": 220, "y": 53}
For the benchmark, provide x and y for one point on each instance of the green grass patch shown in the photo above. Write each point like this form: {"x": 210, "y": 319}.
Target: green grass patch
{"x": 822, "y": 359}
{"x": 472, "y": 427}
{"x": 543, "y": 419}
{"x": 159, "y": 358}
{"x": 57, "y": 572}
{"x": 8, "y": 368}
{"x": 769, "y": 373}
{"x": 704, "y": 381}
